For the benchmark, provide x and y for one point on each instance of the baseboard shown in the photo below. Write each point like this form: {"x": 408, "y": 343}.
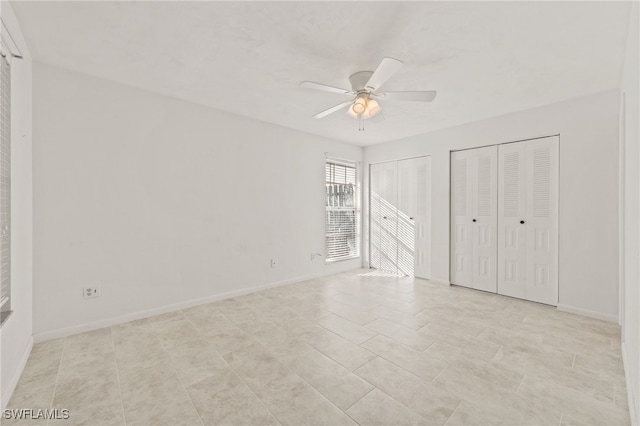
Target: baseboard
{"x": 588, "y": 313}
{"x": 633, "y": 409}
{"x": 6, "y": 393}
{"x": 94, "y": 325}
{"x": 440, "y": 282}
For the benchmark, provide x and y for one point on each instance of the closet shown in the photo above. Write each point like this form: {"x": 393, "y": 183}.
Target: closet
{"x": 399, "y": 239}
{"x": 504, "y": 219}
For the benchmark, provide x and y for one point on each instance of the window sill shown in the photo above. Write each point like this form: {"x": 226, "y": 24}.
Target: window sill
{"x": 328, "y": 261}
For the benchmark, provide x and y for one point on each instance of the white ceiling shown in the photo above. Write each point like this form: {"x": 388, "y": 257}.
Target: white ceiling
{"x": 484, "y": 58}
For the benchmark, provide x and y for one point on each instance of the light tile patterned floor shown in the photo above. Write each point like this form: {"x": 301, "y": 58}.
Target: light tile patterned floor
{"x": 345, "y": 349}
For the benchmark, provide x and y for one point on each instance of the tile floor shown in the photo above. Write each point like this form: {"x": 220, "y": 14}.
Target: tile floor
{"x": 346, "y": 349}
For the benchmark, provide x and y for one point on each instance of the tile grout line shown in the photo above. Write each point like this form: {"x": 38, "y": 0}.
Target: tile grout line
{"x": 244, "y": 382}
{"x": 369, "y": 339}
{"x": 297, "y": 375}
{"x": 452, "y": 413}
{"x": 303, "y": 379}
{"x": 124, "y": 418}
{"x": 401, "y": 368}
{"x": 521, "y": 381}
{"x": 55, "y": 387}
{"x": 336, "y": 361}
{"x": 399, "y": 402}
{"x": 254, "y": 394}
{"x": 438, "y": 375}
{"x": 333, "y": 332}
{"x": 360, "y": 399}
{"x": 164, "y": 349}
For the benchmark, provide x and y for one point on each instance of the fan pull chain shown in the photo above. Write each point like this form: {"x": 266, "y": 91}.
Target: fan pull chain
{"x": 360, "y": 123}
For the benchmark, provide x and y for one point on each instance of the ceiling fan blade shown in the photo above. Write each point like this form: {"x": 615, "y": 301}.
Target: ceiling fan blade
{"x": 333, "y": 109}
{"x": 386, "y": 68}
{"x": 324, "y": 87}
{"x": 420, "y": 96}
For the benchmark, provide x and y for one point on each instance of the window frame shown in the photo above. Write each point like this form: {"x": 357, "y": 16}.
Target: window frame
{"x": 5, "y": 179}
{"x": 356, "y": 208}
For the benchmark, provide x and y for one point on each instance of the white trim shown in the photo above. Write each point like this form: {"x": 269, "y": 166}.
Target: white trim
{"x": 6, "y": 393}
{"x": 440, "y": 282}
{"x": 621, "y": 212}
{"x": 108, "y": 322}
{"x": 587, "y": 313}
{"x": 401, "y": 159}
{"x": 633, "y": 410}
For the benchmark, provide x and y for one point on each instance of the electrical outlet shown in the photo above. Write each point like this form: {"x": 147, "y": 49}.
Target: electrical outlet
{"x": 273, "y": 263}
{"x": 91, "y": 292}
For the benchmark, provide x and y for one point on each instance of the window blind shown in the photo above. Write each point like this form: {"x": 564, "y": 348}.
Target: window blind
{"x": 5, "y": 187}
{"x": 342, "y": 222}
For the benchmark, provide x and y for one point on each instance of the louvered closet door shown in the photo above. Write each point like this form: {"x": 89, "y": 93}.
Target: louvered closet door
{"x": 383, "y": 221}
{"x": 461, "y": 218}
{"x": 407, "y": 190}
{"x": 528, "y": 218}
{"x": 512, "y": 235}
{"x": 414, "y": 227}
{"x": 485, "y": 217}
{"x": 422, "y": 218}
{"x": 542, "y": 220}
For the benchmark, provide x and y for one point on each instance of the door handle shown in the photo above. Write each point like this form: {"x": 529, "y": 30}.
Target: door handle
{"x": 522, "y": 222}
{"x": 474, "y": 220}
{"x": 384, "y": 217}
{"x": 411, "y": 218}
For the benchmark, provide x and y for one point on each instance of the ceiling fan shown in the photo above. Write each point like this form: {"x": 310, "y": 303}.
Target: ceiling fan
{"x": 365, "y": 92}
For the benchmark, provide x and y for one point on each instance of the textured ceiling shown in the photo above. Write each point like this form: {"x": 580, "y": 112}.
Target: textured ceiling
{"x": 484, "y": 58}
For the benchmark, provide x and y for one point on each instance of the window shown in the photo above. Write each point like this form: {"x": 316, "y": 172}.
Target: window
{"x": 342, "y": 225}
{"x": 5, "y": 189}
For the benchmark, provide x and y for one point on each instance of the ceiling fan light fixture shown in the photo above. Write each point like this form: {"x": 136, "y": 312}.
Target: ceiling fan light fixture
{"x": 373, "y": 108}
{"x": 360, "y": 105}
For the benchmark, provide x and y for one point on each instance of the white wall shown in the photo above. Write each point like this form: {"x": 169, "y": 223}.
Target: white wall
{"x": 630, "y": 231}
{"x": 588, "y": 221}
{"x": 163, "y": 202}
{"x": 15, "y": 334}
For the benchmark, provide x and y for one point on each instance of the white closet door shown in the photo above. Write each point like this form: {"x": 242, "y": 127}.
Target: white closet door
{"x": 375, "y": 216}
{"x": 461, "y": 218}
{"x": 384, "y": 222}
{"x": 422, "y": 218}
{"x": 512, "y": 210}
{"x": 406, "y": 208}
{"x": 542, "y": 220}
{"x": 413, "y": 216}
{"x": 528, "y": 217}
{"x": 484, "y": 217}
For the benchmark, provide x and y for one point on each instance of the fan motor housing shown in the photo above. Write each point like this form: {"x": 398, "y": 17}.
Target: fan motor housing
{"x": 359, "y": 79}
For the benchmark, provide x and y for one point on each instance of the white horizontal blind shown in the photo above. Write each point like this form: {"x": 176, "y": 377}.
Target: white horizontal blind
{"x": 342, "y": 224}
{"x": 5, "y": 186}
